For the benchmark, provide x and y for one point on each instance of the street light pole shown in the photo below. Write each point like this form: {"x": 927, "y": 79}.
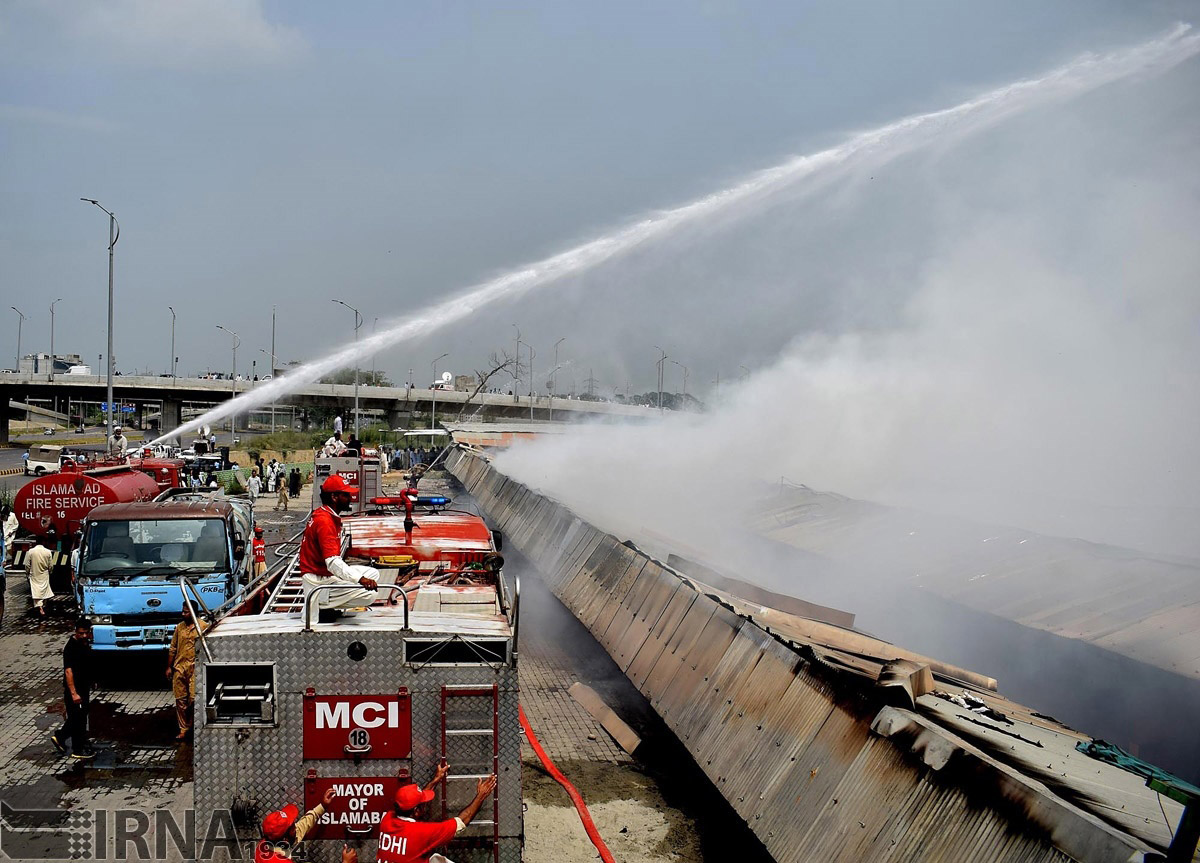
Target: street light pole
{"x": 554, "y": 377}
{"x": 433, "y": 412}
{"x": 374, "y": 356}
{"x": 172, "y": 311}
{"x": 358, "y": 320}
{"x": 52, "y": 305}
{"x": 517, "y": 366}
{"x": 685, "y": 377}
{"x": 661, "y": 363}
{"x": 114, "y": 233}
{"x": 532, "y": 391}
{"x": 273, "y": 376}
{"x": 20, "y": 321}
{"x": 233, "y": 379}
{"x": 272, "y": 366}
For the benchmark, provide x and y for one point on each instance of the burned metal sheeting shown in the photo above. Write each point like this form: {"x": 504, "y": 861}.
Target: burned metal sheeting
{"x": 795, "y": 734}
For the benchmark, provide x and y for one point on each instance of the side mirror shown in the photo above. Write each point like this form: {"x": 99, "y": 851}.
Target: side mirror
{"x": 498, "y": 540}
{"x": 239, "y": 547}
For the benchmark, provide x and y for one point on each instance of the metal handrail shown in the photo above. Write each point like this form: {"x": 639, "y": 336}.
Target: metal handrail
{"x": 279, "y": 548}
{"x": 184, "y": 584}
{"x": 308, "y": 600}
{"x": 253, "y": 586}
{"x": 516, "y": 616}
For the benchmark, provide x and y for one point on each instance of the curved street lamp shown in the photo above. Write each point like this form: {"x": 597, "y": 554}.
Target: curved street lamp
{"x": 237, "y": 340}
{"x": 114, "y": 234}
{"x": 358, "y": 321}
{"x": 20, "y": 322}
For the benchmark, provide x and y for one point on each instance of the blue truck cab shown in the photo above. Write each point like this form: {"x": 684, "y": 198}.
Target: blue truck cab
{"x": 132, "y": 557}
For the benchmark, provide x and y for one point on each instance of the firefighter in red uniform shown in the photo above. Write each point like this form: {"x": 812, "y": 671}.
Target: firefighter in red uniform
{"x": 260, "y": 552}
{"x": 405, "y": 838}
{"x": 284, "y": 829}
{"x": 321, "y": 553}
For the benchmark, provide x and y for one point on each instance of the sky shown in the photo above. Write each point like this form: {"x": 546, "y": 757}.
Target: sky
{"x": 1002, "y": 319}
{"x": 263, "y": 155}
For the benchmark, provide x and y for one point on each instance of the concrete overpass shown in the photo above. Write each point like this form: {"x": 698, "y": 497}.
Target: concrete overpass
{"x": 398, "y": 405}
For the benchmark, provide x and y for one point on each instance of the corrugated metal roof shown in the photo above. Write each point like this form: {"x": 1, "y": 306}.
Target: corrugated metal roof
{"x": 1143, "y": 606}
{"x": 791, "y": 732}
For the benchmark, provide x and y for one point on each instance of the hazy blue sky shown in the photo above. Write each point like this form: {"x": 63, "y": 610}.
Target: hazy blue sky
{"x": 261, "y": 153}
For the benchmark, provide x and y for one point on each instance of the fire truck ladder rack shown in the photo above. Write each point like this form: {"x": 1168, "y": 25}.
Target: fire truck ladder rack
{"x": 289, "y": 595}
{"x": 450, "y": 735}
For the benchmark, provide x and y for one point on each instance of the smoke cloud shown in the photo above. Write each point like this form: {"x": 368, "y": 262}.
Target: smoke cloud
{"x": 1001, "y": 326}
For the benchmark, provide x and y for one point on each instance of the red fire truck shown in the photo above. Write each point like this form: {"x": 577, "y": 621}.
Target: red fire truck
{"x": 288, "y": 706}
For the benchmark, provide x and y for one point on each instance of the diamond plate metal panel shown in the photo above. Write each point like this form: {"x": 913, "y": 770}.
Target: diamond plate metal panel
{"x": 265, "y": 765}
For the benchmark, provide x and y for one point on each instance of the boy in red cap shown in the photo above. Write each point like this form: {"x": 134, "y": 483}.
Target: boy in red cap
{"x": 284, "y": 829}
{"x": 321, "y": 553}
{"x": 259, "y": 549}
{"x": 404, "y": 837}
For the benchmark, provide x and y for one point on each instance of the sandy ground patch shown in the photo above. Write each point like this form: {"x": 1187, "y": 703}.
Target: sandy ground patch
{"x": 636, "y": 823}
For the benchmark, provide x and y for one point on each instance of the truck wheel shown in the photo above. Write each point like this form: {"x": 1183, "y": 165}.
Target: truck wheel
{"x": 39, "y": 470}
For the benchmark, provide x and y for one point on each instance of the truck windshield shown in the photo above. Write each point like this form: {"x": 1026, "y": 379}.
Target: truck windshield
{"x": 119, "y": 548}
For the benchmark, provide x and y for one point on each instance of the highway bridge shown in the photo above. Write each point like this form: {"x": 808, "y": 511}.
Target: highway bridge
{"x": 398, "y": 406}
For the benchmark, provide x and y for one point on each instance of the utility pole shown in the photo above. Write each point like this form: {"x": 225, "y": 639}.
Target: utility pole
{"x": 261, "y": 351}
{"x": 20, "y": 322}
{"x": 532, "y": 396}
{"x": 114, "y": 233}
{"x": 554, "y": 377}
{"x": 358, "y": 321}
{"x": 433, "y": 412}
{"x": 375, "y": 355}
{"x": 517, "y": 366}
{"x": 172, "y": 311}
{"x": 590, "y": 383}
{"x": 52, "y": 305}
{"x": 661, "y": 363}
{"x": 233, "y": 380}
{"x": 685, "y": 377}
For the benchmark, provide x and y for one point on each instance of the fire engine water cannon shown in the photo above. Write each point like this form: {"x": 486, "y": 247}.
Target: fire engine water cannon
{"x": 409, "y": 499}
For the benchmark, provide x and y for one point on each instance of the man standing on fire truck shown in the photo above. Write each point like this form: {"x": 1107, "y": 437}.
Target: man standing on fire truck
{"x": 321, "y": 553}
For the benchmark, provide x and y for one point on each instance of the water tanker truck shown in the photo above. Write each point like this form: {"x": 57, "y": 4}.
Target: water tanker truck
{"x": 136, "y": 543}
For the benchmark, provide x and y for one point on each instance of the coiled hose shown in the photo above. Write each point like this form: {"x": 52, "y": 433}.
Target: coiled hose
{"x": 580, "y": 807}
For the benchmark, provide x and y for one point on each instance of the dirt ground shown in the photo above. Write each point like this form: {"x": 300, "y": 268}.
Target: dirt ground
{"x": 634, "y": 820}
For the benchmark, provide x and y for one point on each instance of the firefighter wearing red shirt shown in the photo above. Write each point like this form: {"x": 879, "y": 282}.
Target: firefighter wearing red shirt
{"x": 284, "y": 829}
{"x": 259, "y": 549}
{"x": 321, "y": 553}
{"x": 404, "y": 837}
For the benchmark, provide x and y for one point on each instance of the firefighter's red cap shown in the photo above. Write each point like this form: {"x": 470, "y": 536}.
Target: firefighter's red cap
{"x": 276, "y": 824}
{"x": 411, "y": 796}
{"x": 336, "y": 483}
{"x": 258, "y": 528}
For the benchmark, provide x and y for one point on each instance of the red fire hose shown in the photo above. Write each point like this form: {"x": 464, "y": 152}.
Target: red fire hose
{"x": 580, "y": 806}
